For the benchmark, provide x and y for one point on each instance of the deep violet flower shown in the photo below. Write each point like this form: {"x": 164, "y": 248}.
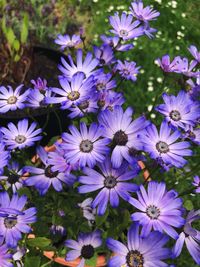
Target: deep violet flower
{"x": 12, "y": 99}
{"x": 84, "y": 247}
{"x": 20, "y": 136}
{"x": 85, "y": 147}
{"x": 124, "y": 26}
{"x": 12, "y": 227}
{"x": 194, "y": 91}
{"x": 139, "y": 251}
{"x": 111, "y": 182}
{"x": 122, "y": 131}
{"x": 193, "y": 134}
{"x": 104, "y": 54}
{"x": 5, "y": 156}
{"x": 160, "y": 210}
{"x": 143, "y": 13}
{"x": 168, "y": 66}
{"x": 42, "y": 178}
{"x": 164, "y": 147}
{"x": 5, "y": 257}
{"x": 40, "y": 84}
{"x": 67, "y": 41}
{"x": 127, "y": 70}
{"x": 179, "y": 110}
{"x": 196, "y": 183}
{"x": 189, "y": 236}
{"x": 104, "y": 82}
{"x": 195, "y": 53}
{"x": 108, "y": 99}
{"x": 86, "y": 67}
{"x": 115, "y": 43}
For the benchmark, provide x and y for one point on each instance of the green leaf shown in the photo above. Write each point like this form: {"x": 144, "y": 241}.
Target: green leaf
{"x": 101, "y": 219}
{"x": 10, "y": 36}
{"x": 24, "y": 29}
{"x": 188, "y": 205}
{"x": 3, "y": 25}
{"x": 92, "y": 262}
{"x": 40, "y": 242}
{"x": 16, "y": 45}
{"x": 16, "y": 58}
{"x": 32, "y": 261}
{"x": 25, "y": 191}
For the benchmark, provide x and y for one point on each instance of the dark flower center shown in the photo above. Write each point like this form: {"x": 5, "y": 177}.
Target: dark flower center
{"x": 87, "y": 251}
{"x": 126, "y": 72}
{"x": 102, "y": 61}
{"x": 192, "y": 135}
{"x": 13, "y": 178}
{"x": 175, "y": 115}
{"x": 120, "y": 138}
{"x": 110, "y": 182}
{"x": 134, "y": 259}
{"x": 101, "y": 86}
{"x": 20, "y": 139}
{"x": 12, "y": 100}
{"x": 153, "y": 212}
{"x": 86, "y": 146}
{"x": 101, "y": 103}
{"x": 49, "y": 173}
{"x": 123, "y": 33}
{"x": 10, "y": 222}
{"x": 84, "y": 104}
{"x": 73, "y": 95}
{"x": 162, "y": 147}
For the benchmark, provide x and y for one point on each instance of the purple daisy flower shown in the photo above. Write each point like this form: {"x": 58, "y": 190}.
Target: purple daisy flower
{"x": 179, "y": 110}
{"x": 148, "y": 31}
{"x": 168, "y": 66}
{"x": 115, "y": 43}
{"x": 194, "y": 92}
{"x": 124, "y": 26}
{"x": 139, "y": 251}
{"x": 196, "y": 183}
{"x": 143, "y": 13}
{"x": 5, "y": 257}
{"x": 112, "y": 182}
{"x": 195, "y": 53}
{"x": 13, "y": 177}
{"x": 108, "y": 99}
{"x": 57, "y": 230}
{"x": 189, "y": 236}
{"x": 12, "y": 99}
{"x": 11, "y": 227}
{"x": 104, "y": 82}
{"x": 42, "y": 178}
{"x": 37, "y": 98}
{"x": 84, "y": 247}
{"x": 67, "y": 41}
{"x": 186, "y": 67}
{"x": 72, "y": 93}
{"x": 192, "y": 134}
{"x": 21, "y": 136}
{"x": 163, "y": 146}
{"x": 5, "y": 156}
{"x": 40, "y": 84}
{"x": 127, "y": 70}
{"x": 85, "y": 147}
{"x": 104, "y": 54}
{"x": 86, "y": 67}
{"x": 160, "y": 209}
{"x": 123, "y": 132}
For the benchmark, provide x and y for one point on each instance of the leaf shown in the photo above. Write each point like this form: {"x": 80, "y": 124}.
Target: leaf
{"x": 24, "y": 29}
{"x": 32, "y": 261}
{"x": 25, "y": 191}
{"x": 92, "y": 262}
{"x": 40, "y": 242}
{"x": 10, "y": 36}
{"x": 16, "y": 45}
{"x": 101, "y": 219}
{"x": 16, "y": 58}
{"x": 188, "y": 205}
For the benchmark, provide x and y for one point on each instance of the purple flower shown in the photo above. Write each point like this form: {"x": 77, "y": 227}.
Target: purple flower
{"x": 111, "y": 182}
{"x": 186, "y": 67}
{"x": 195, "y": 53}
{"x": 123, "y": 132}
{"x": 72, "y": 93}
{"x": 139, "y": 251}
{"x": 143, "y": 13}
{"x": 13, "y": 177}
{"x": 115, "y": 43}
{"x": 163, "y": 146}
{"x": 88, "y": 212}
{"x": 104, "y": 54}
{"x": 42, "y": 178}
{"x": 12, "y": 99}
{"x": 5, "y": 155}
{"x": 127, "y": 70}
{"x": 194, "y": 92}
{"x": 108, "y": 99}
{"x": 58, "y": 230}
{"x": 11, "y": 227}
{"x": 40, "y": 84}
{"x": 196, "y": 183}
{"x": 189, "y": 236}
{"x": 37, "y": 98}
{"x": 168, "y": 66}
{"x": 179, "y": 110}
{"x": 84, "y": 247}
{"x": 148, "y": 30}
{"x": 5, "y": 257}
{"x": 160, "y": 209}
{"x": 86, "y": 67}
{"x": 125, "y": 27}
{"x": 85, "y": 147}
{"x": 21, "y": 136}
{"x": 192, "y": 134}
{"x": 67, "y": 41}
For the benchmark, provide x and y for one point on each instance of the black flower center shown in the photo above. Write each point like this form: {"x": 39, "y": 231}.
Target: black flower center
{"x": 134, "y": 259}
{"x": 120, "y": 138}
{"x": 20, "y": 139}
{"x": 153, "y": 212}
{"x": 49, "y": 173}
{"x": 101, "y": 103}
{"x": 87, "y": 251}
{"x": 12, "y": 100}
{"x": 110, "y": 182}
{"x": 175, "y": 115}
{"x": 100, "y": 86}
{"x": 86, "y": 146}
{"x": 84, "y": 104}
{"x": 10, "y": 222}
{"x": 73, "y": 95}
{"x": 123, "y": 33}
{"x": 162, "y": 147}
{"x": 13, "y": 178}
{"x": 102, "y": 61}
